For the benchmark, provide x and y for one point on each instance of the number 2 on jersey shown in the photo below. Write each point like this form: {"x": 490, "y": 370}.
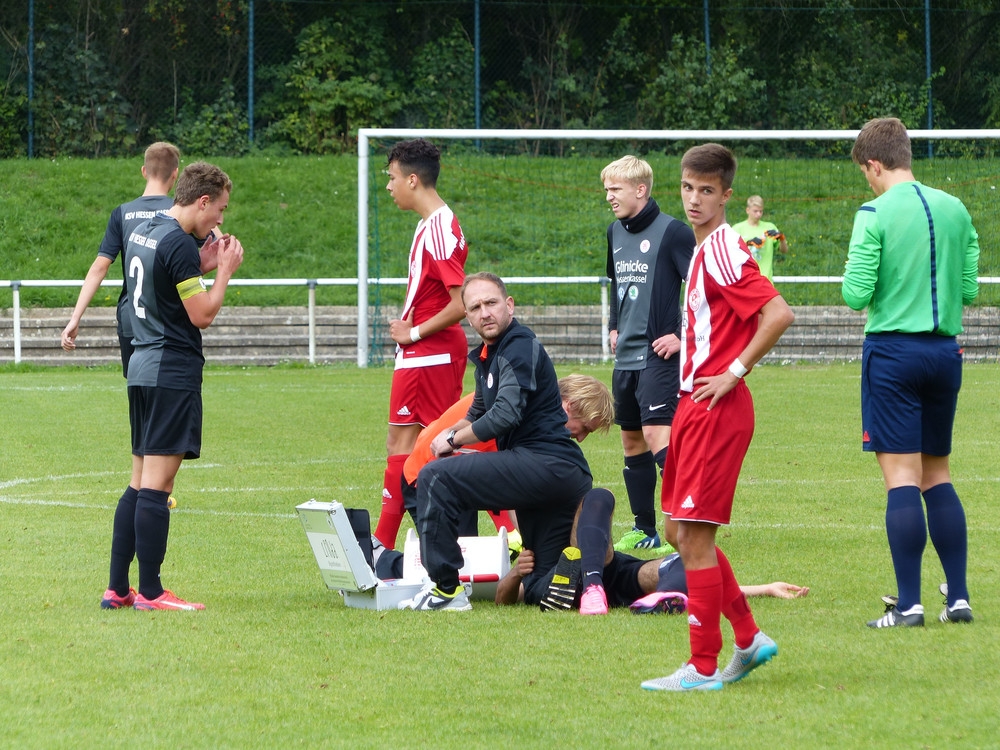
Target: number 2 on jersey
{"x": 136, "y": 271}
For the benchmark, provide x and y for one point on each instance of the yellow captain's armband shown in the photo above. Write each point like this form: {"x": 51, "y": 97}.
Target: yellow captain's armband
{"x": 190, "y": 287}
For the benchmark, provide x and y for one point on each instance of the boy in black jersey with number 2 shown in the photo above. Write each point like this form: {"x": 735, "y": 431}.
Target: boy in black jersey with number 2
{"x": 171, "y": 304}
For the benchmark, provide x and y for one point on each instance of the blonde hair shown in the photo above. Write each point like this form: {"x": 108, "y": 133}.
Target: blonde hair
{"x": 590, "y": 398}
{"x": 755, "y": 200}
{"x": 161, "y": 160}
{"x": 632, "y": 170}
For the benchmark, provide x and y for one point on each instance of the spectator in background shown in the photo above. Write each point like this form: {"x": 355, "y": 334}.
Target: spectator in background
{"x": 762, "y": 237}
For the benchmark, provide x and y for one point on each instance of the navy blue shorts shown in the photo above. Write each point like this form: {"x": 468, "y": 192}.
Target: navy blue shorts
{"x": 671, "y": 574}
{"x": 646, "y": 396}
{"x": 165, "y": 422}
{"x": 909, "y": 392}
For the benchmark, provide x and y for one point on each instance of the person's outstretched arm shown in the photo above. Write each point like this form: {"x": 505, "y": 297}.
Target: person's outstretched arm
{"x": 97, "y": 273}
{"x": 777, "y": 589}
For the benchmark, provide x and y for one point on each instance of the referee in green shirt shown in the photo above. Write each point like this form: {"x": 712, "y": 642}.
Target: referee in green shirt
{"x": 913, "y": 262}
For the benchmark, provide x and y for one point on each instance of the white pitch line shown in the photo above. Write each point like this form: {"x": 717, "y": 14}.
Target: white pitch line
{"x": 64, "y": 477}
{"x": 60, "y": 388}
{"x": 977, "y": 529}
{"x": 4, "y": 500}
{"x": 859, "y": 480}
{"x": 314, "y": 489}
{"x": 55, "y": 478}
{"x": 189, "y": 466}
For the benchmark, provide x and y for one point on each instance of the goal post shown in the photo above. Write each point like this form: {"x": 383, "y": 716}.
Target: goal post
{"x": 533, "y": 208}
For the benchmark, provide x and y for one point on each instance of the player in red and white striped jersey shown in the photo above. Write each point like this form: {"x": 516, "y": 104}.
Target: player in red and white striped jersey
{"x": 431, "y": 346}
{"x": 732, "y": 318}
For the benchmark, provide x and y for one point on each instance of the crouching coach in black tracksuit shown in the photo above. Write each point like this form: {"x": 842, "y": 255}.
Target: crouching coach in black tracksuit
{"x": 538, "y": 469}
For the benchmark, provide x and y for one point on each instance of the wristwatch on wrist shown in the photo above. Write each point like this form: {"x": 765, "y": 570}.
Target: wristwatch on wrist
{"x": 451, "y": 440}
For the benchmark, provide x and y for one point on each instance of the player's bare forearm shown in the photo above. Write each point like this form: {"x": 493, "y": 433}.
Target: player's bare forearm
{"x": 775, "y": 318}
{"x": 777, "y": 589}
{"x": 97, "y": 273}
{"x": 202, "y": 308}
{"x": 402, "y": 331}
{"x": 509, "y": 590}
{"x": 447, "y": 316}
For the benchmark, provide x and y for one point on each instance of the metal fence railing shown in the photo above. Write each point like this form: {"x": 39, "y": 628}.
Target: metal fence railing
{"x": 364, "y": 335}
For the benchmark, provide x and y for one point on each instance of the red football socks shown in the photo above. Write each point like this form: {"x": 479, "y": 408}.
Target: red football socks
{"x": 704, "y": 616}
{"x": 391, "y": 516}
{"x": 735, "y": 607}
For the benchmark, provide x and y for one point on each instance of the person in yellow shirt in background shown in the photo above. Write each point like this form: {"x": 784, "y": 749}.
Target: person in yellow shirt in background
{"x": 762, "y": 237}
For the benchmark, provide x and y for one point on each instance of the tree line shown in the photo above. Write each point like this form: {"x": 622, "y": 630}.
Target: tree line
{"x": 110, "y": 76}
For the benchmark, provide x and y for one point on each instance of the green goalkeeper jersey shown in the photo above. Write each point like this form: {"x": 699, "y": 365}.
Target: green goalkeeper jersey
{"x": 913, "y": 261}
{"x": 761, "y": 245}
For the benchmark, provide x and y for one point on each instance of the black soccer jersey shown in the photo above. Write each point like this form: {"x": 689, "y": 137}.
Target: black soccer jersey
{"x": 163, "y": 268}
{"x": 648, "y": 257}
{"x": 517, "y": 400}
{"x": 122, "y": 222}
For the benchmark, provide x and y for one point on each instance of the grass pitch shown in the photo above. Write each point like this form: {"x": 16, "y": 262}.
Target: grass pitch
{"x": 277, "y": 660}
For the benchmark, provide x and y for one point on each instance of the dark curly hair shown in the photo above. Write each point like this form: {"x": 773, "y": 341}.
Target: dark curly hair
{"x": 418, "y": 157}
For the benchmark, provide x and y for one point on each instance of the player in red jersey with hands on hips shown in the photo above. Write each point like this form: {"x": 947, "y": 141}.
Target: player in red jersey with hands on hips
{"x": 732, "y": 317}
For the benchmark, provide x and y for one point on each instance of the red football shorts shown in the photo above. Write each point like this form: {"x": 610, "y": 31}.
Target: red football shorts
{"x": 422, "y": 394}
{"x": 705, "y": 456}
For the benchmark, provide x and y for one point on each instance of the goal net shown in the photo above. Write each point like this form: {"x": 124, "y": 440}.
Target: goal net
{"x": 533, "y": 208}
